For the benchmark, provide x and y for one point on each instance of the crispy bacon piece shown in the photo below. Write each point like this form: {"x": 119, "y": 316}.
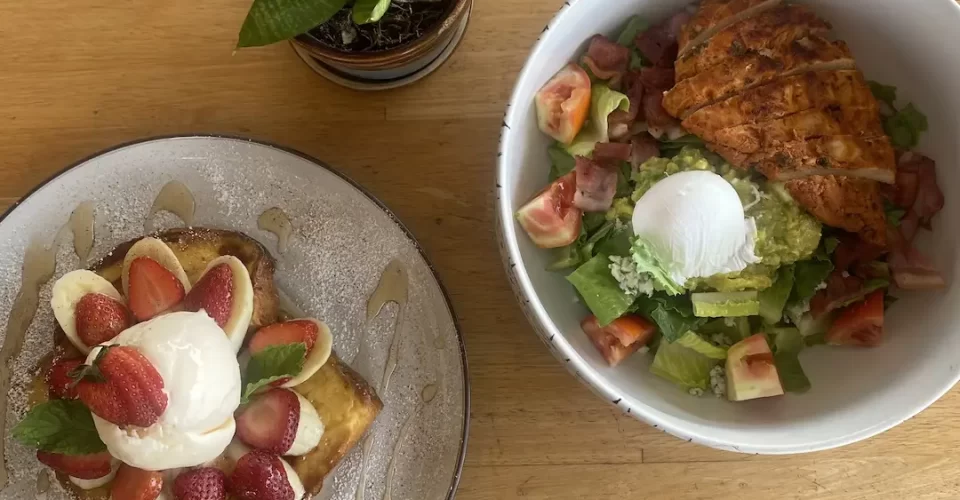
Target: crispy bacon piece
{"x": 606, "y": 59}
{"x": 596, "y": 186}
{"x": 611, "y": 153}
{"x": 644, "y": 148}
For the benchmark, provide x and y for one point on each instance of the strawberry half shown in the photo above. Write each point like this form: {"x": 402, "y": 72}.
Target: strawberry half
{"x": 270, "y": 421}
{"x": 122, "y": 387}
{"x": 153, "y": 289}
{"x": 214, "y": 294}
{"x": 259, "y": 475}
{"x": 288, "y": 332}
{"x": 206, "y": 483}
{"x": 100, "y": 318}
{"x": 132, "y": 483}
{"x": 60, "y": 383}
{"x": 92, "y": 466}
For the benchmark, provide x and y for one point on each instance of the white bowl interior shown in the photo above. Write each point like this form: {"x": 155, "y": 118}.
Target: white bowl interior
{"x": 856, "y": 392}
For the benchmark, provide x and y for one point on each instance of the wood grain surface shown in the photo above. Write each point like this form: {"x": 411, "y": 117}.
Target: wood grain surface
{"x": 83, "y": 75}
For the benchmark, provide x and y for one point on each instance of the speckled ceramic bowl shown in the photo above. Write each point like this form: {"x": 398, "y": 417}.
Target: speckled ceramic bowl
{"x": 856, "y": 393}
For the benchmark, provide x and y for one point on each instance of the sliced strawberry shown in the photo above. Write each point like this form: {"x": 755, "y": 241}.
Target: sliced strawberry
{"x": 153, "y": 289}
{"x": 100, "y": 318}
{"x": 122, "y": 387}
{"x": 260, "y": 475}
{"x": 214, "y": 294}
{"x": 270, "y": 421}
{"x": 132, "y": 483}
{"x": 92, "y": 466}
{"x": 860, "y": 324}
{"x": 60, "y": 384}
{"x": 205, "y": 483}
{"x": 288, "y": 332}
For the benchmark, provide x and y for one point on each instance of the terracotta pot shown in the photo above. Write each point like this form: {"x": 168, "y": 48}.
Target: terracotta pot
{"x": 397, "y": 63}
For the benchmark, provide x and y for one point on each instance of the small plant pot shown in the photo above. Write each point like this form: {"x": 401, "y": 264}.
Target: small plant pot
{"x": 390, "y": 68}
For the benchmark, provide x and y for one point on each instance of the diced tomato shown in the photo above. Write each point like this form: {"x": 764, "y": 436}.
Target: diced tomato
{"x": 751, "y": 372}
{"x": 621, "y": 338}
{"x": 859, "y": 324}
{"x": 563, "y": 103}
{"x": 550, "y": 218}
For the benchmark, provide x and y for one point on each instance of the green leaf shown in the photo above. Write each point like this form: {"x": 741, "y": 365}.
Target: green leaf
{"x": 683, "y": 366}
{"x": 369, "y": 11}
{"x": 725, "y": 304}
{"x": 271, "y": 364}
{"x": 894, "y": 213}
{"x": 561, "y": 162}
{"x": 791, "y": 373}
{"x": 672, "y": 314}
{"x": 808, "y": 275}
{"x": 599, "y": 289}
{"x": 691, "y": 340}
{"x": 60, "y": 426}
{"x": 634, "y": 27}
{"x": 636, "y": 60}
{"x": 617, "y": 242}
{"x": 774, "y": 299}
{"x": 905, "y": 127}
{"x": 271, "y": 21}
{"x": 883, "y": 93}
{"x": 603, "y": 101}
{"x": 648, "y": 263}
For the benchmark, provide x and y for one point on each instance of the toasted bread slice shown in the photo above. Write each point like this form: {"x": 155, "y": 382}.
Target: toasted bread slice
{"x": 751, "y": 70}
{"x": 863, "y": 123}
{"x": 851, "y": 204}
{"x": 715, "y": 15}
{"x": 842, "y": 155}
{"x": 773, "y": 29}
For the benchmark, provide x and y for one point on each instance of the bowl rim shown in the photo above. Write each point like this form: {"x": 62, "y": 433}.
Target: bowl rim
{"x": 563, "y": 350}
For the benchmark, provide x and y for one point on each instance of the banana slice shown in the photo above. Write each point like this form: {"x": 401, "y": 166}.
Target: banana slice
{"x": 89, "y": 484}
{"x": 68, "y": 290}
{"x": 241, "y": 308}
{"x": 318, "y": 355}
{"x": 294, "y": 480}
{"x": 309, "y": 429}
{"x": 159, "y": 252}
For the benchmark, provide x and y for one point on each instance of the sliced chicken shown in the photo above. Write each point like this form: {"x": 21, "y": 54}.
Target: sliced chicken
{"x": 782, "y": 98}
{"x": 854, "y": 205}
{"x": 715, "y": 15}
{"x": 846, "y": 155}
{"x": 752, "y": 70}
{"x": 773, "y": 29}
{"x": 862, "y": 123}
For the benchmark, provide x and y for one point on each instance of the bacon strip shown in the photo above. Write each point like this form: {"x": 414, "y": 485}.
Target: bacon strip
{"x": 606, "y": 59}
{"x": 596, "y": 186}
{"x": 644, "y": 148}
{"x": 611, "y": 153}
{"x": 659, "y": 43}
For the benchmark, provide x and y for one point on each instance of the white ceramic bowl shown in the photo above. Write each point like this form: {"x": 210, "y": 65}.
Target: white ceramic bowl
{"x": 856, "y": 393}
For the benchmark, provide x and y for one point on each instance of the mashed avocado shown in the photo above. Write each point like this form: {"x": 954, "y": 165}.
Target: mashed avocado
{"x": 622, "y": 209}
{"x": 656, "y": 169}
{"x": 785, "y": 232}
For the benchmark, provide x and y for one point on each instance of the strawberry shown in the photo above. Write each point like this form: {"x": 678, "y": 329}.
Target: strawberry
{"x": 153, "y": 289}
{"x": 60, "y": 383}
{"x": 92, "y": 466}
{"x": 205, "y": 483}
{"x": 214, "y": 294}
{"x": 259, "y": 475}
{"x": 132, "y": 483}
{"x": 270, "y": 421}
{"x": 122, "y": 387}
{"x": 100, "y": 318}
{"x": 288, "y": 332}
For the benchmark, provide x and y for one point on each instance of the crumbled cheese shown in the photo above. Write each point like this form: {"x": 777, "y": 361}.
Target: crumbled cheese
{"x": 718, "y": 381}
{"x": 631, "y": 281}
{"x": 823, "y": 284}
{"x": 721, "y": 340}
{"x": 696, "y": 391}
{"x": 729, "y": 322}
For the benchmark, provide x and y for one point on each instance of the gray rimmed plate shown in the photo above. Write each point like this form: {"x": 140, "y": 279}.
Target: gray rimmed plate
{"x": 342, "y": 242}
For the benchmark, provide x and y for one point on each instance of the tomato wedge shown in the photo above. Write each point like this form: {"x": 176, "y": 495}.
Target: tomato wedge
{"x": 751, "y": 371}
{"x": 563, "y": 103}
{"x": 550, "y": 218}
{"x": 859, "y": 324}
{"x": 621, "y": 338}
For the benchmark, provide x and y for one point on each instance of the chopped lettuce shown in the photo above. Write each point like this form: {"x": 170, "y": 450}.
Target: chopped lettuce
{"x": 894, "y": 213}
{"x": 905, "y": 126}
{"x": 787, "y": 344}
{"x": 774, "y": 298}
{"x": 672, "y": 314}
{"x": 725, "y": 304}
{"x": 808, "y": 275}
{"x": 561, "y": 162}
{"x": 884, "y": 93}
{"x": 603, "y": 101}
{"x": 617, "y": 242}
{"x": 599, "y": 290}
{"x": 753, "y": 277}
{"x": 734, "y": 329}
{"x": 634, "y": 27}
{"x": 684, "y": 365}
{"x": 648, "y": 263}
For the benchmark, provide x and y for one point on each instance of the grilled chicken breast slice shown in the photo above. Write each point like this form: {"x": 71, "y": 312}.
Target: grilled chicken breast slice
{"x": 841, "y": 155}
{"x": 781, "y": 98}
{"x": 715, "y": 15}
{"x": 772, "y": 30}
{"x": 854, "y": 205}
{"x": 862, "y": 123}
{"x": 752, "y": 70}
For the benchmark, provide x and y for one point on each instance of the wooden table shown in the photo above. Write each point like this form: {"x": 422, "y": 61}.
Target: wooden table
{"x": 83, "y": 75}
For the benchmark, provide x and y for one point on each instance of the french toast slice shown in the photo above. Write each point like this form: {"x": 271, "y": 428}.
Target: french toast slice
{"x": 346, "y": 403}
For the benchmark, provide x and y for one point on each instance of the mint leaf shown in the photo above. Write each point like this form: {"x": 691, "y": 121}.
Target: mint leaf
{"x": 883, "y": 93}
{"x": 272, "y": 364}
{"x": 271, "y": 21}
{"x": 60, "y": 426}
{"x": 369, "y": 11}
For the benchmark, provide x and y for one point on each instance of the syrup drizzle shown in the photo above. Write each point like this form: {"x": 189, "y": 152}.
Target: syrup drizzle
{"x": 174, "y": 197}
{"x": 39, "y": 264}
{"x": 276, "y": 221}
{"x": 392, "y": 467}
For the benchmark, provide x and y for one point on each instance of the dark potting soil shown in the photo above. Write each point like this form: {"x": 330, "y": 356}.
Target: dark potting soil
{"x": 402, "y": 23}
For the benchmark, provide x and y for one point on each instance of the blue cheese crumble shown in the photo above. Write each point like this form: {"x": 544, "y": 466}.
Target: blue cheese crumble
{"x": 631, "y": 281}
{"x": 718, "y": 381}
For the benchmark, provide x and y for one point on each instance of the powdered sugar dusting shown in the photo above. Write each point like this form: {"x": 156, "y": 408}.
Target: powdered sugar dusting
{"x": 341, "y": 243}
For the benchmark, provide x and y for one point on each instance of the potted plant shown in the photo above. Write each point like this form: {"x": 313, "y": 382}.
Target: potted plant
{"x": 364, "y": 40}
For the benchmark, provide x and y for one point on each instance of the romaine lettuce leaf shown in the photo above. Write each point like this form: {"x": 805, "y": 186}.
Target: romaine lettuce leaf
{"x": 635, "y": 26}
{"x": 672, "y": 314}
{"x": 725, "y": 304}
{"x": 905, "y": 126}
{"x": 735, "y": 329}
{"x": 603, "y": 101}
{"x": 774, "y": 298}
{"x": 599, "y": 289}
{"x": 648, "y": 263}
{"x": 808, "y": 275}
{"x": 682, "y": 365}
{"x": 884, "y": 93}
{"x": 693, "y": 341}
{"x": 787, "y": 344}
{"x": 561, "y": 162}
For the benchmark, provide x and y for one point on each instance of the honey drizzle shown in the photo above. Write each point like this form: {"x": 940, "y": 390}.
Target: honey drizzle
{"x": 276, "y": 221}
{"x": 174, "y": 197}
